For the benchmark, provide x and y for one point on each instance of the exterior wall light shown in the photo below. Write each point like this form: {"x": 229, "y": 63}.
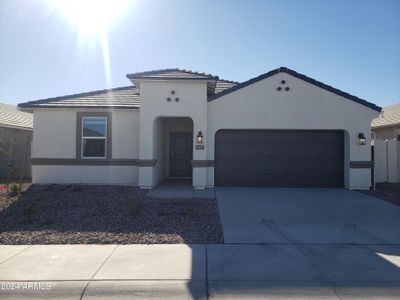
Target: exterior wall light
{"x": 200, "y": 138}
{"x": 361, "y": 139}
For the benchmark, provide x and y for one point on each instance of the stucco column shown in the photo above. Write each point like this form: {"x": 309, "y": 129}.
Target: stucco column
{"x": 146, "y": 153}
{"x": 199, "y": 179}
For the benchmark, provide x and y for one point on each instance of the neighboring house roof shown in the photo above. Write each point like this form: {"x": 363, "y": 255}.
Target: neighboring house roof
{"x": 129, "y": 97}
{"x": 302, "y": 77}
{"x": 11, "y": 117}
{"x": 390, "y": 116}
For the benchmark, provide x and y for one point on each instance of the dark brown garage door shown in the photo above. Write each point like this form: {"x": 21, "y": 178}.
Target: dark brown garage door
{"x": 279, "y": 158}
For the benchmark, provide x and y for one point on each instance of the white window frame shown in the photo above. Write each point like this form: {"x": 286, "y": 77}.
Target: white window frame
{"x": 94, "y": 138}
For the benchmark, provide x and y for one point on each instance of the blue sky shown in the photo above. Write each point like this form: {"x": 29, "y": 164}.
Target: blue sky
{"x": 353, "y": 45}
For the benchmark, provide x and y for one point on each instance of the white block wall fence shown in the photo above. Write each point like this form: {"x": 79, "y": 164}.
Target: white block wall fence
{"x": 387, "y": 161}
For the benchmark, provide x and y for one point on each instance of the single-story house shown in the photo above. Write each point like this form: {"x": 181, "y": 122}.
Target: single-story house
{"x": 15, "y": 130}
{"x": 387, "y": 125}
{"x": 280, "y": 129}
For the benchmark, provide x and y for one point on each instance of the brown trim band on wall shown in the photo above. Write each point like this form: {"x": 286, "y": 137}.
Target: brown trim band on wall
{"x": 93, "y": 162}
{"x": 79, "y": 116}
{"x": 202, "y": 163}
{"x": 147, "y": 162}
{"x": 361, "y": 164}
{"x": 84, "y": 162}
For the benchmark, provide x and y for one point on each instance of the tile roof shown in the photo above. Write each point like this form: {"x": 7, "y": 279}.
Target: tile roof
{"x": 222, "y": 85}
{"x": 390, "y": 116}
{"x": 302, "y": 77}
{"x": 122, "y": 97}
{"x": 129, "y": 97}
{"x": 172, "y": 74}
{"x": 10, "y": 116}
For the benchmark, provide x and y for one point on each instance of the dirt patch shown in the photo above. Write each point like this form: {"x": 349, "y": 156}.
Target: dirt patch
{"x": 387, "y": 191}
{"x": 70, "y": 214}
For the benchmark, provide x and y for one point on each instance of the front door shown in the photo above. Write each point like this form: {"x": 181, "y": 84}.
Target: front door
{"x": 181, "y": 151}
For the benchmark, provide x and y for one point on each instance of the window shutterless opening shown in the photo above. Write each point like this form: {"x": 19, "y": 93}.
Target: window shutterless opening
{"x": 94, "y": 137}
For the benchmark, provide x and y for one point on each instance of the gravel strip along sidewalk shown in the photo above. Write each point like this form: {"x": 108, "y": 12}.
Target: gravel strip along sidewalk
{"x": 81, "y": 214}
{"x": 386, "y": 191}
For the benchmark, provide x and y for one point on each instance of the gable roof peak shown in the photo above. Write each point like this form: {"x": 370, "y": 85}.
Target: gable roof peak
{"x": 302, "y": 77}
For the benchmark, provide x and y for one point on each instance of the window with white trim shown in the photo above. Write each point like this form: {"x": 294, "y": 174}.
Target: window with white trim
{"x": 94, "y": 137}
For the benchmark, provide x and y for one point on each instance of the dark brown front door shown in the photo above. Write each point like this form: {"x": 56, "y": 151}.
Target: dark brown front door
{"x": 181, "y": 151}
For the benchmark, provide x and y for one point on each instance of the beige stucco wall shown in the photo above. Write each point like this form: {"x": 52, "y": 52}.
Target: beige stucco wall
{"x": 54, "y": 136}
{"x": 192, "y": 104}
{"x": 54, "y": 133}
{"x": 158, "y": 150}
{"x": 115, "y": 175}
{"x": 125, "y": 134}
{"x": 304, "y": 106}
{"x": 257, "y": 106}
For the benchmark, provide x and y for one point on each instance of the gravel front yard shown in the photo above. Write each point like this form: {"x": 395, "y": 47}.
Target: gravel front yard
{"x": 386, "y": 191}
{"x": 61, "y": 214}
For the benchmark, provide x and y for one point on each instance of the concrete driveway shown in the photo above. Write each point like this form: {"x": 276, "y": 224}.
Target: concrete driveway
{"x": 306, "y": 216}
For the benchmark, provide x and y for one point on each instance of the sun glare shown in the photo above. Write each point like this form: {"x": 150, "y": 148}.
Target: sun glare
{"x": 92, "y": 17}
{"x": 92, "y": 20}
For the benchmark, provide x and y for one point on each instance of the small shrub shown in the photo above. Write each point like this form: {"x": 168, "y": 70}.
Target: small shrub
{"x": 77, "y": 188}
{"x": 49, "y": 187}
{"x": 188, "y": 211}
{"x": 47, "y": 222}
{"x": 14, "y": 188}
{"x": 133, "y": 203}
{"x": 29, "y": 210}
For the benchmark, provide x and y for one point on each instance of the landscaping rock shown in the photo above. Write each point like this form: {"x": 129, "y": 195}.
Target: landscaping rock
{"x": 72, "y": 214}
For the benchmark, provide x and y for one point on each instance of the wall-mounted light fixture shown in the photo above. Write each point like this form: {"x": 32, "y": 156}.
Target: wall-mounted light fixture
{"x": 200, "y": 138}
{"x": 361, "y": 139}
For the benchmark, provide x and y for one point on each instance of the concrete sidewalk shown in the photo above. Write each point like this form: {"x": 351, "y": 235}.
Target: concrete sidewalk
{"x": 223, "y": 271}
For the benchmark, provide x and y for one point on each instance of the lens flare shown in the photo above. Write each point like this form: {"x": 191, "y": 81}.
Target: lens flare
{"x": 92, "y": 19}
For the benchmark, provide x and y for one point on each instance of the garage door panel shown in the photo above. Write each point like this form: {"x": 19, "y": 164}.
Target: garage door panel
{"x": 279, "y": 158}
